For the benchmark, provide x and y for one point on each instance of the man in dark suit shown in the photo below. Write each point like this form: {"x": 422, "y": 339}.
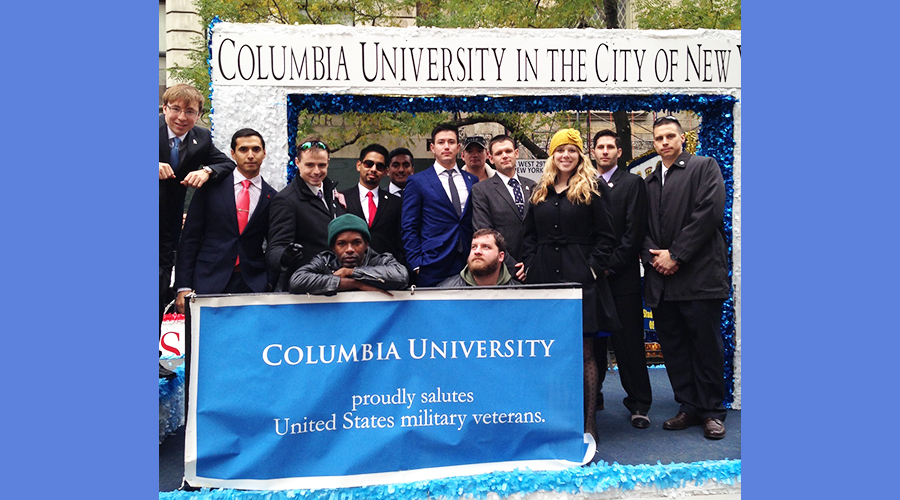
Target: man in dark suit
{"x": 437, "y": 212}
{"x": 187, "y": 157}
{"x": 686, "y": 277}
{"x": 221, "y": 250}
{"x": 628, "y": 207}
{"x": 300, "y": 213}
{"x": 379, "y": 209}
{"x": 400, "y": 167}
{"x": 501, "y": 201}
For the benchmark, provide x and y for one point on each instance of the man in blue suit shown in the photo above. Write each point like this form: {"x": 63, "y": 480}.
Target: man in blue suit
{"x": 436, "y": 221}
{"x": 221, "y": 248}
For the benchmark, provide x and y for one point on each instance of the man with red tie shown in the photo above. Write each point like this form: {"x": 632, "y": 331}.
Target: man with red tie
{"x": 380, "y": 209}
{"x": 221, "y": 247}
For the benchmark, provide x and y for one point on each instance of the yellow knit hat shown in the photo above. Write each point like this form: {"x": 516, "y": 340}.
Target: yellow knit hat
{"x": 566, "y": 136}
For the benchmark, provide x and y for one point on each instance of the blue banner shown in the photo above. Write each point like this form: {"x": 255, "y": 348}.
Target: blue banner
{"x": 359, "y": 388}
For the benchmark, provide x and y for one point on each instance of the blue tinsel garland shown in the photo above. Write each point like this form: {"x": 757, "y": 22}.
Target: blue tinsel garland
{"x": 593, "y": 479}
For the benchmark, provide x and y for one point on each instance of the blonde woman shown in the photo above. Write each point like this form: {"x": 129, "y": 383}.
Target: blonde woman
{"x": 569, "y": 237}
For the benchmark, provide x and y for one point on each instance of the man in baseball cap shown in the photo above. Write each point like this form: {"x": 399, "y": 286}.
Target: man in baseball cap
{"x": 474, "y": 153}
{"x": 349, "y": 264}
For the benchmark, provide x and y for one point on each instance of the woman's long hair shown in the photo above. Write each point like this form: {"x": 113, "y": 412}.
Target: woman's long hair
{"x": 582, "y": 183}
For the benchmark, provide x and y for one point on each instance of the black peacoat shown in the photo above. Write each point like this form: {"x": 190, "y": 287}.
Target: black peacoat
{"x": 299, "y": 216}
{"x": 566, "y": 242}
{"x": 686, "y": 218}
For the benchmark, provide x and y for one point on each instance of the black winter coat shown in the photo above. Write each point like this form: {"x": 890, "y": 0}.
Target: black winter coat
{"x": 686, "y": 218}
{"x": 379, "y": 270}
{"x": 564, "y": 243}
{"x": 296, "y": 215}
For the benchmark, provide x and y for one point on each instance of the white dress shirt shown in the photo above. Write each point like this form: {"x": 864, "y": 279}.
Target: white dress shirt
{"x": 457, "y": 179}
{"x": 608, "y": 175}
{"x": 315, "y": 190}
{"x": 364, "y": 200}
{"x": 255, "y": 190}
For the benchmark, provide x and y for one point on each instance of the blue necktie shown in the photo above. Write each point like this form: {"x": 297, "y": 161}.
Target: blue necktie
{"x": 173, "y": 155}
{"x": 517, "y": 192}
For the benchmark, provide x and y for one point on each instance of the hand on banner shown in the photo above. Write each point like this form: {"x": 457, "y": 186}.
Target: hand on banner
{"x": 165, "y": 171}
{"x": 663, "y": 262}
{"x": 179, "y": 301}
{"x": 196, "y": 178}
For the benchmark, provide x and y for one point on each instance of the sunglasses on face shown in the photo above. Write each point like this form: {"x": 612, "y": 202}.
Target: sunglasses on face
{"x": 378, "y": 166}
{"x": 313, "y": 144}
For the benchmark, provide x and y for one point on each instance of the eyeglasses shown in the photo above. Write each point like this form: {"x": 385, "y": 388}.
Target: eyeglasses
{"x": 378, "y": 165}
{"x": 313, "y": 144}
{"x": 190, "y": 113}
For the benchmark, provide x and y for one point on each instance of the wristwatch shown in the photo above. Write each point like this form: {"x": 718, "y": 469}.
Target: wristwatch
{"x": 208, "y": 171}
{"x": 672, "y": 256}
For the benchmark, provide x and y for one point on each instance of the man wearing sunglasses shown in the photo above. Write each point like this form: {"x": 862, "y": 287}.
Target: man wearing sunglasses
{"x": 376, "y": 206}
{"x": 187, "y": 157}
{"x": 300, "y": 213}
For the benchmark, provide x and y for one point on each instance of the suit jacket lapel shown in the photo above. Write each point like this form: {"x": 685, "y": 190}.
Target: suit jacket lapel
{"x": 226, "y": 196}
{"x": 303, "y": 193}
{"x": 265, "y": 196}
{"x": 614, "y": 179}
{"x": 526, "y": 192}
{"x": 382, "y": 205}
{"x": 438, "y": 187}
{"x": 469, "y": 184}
{"x": 501, "y": 189}
{"x": 351, "y": 197}
{"x": 187, "y": 149}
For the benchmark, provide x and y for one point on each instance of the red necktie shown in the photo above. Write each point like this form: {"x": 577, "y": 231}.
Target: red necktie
{"x": 372, "y": 208}
{"x": 243, "y": 209}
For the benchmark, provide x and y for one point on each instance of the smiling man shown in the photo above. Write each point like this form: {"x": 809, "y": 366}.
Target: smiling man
{"x": 484, "y": 266}
{"x": 349, "y": 264}
{"x": 400, "y": 167}
{"x": 221, "y": 249}
{"x": 187, "y": 157}
{"x": 502, "y": 201}
{"x": 376, "y": 206}
{"x": 686, "y": 278}
{"x": 436, "y": 222}
{"x": 301, "y": 212}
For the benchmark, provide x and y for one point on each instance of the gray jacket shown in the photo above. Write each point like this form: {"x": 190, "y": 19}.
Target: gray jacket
{"x": 379, "y": 270}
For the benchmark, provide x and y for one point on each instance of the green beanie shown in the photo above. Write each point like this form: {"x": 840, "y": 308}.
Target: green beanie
{"x": 347, "y": 222}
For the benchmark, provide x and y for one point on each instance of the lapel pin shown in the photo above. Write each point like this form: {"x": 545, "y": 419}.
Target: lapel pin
{"x": 195, "y": 141}
{"x": 610, "y": 184}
